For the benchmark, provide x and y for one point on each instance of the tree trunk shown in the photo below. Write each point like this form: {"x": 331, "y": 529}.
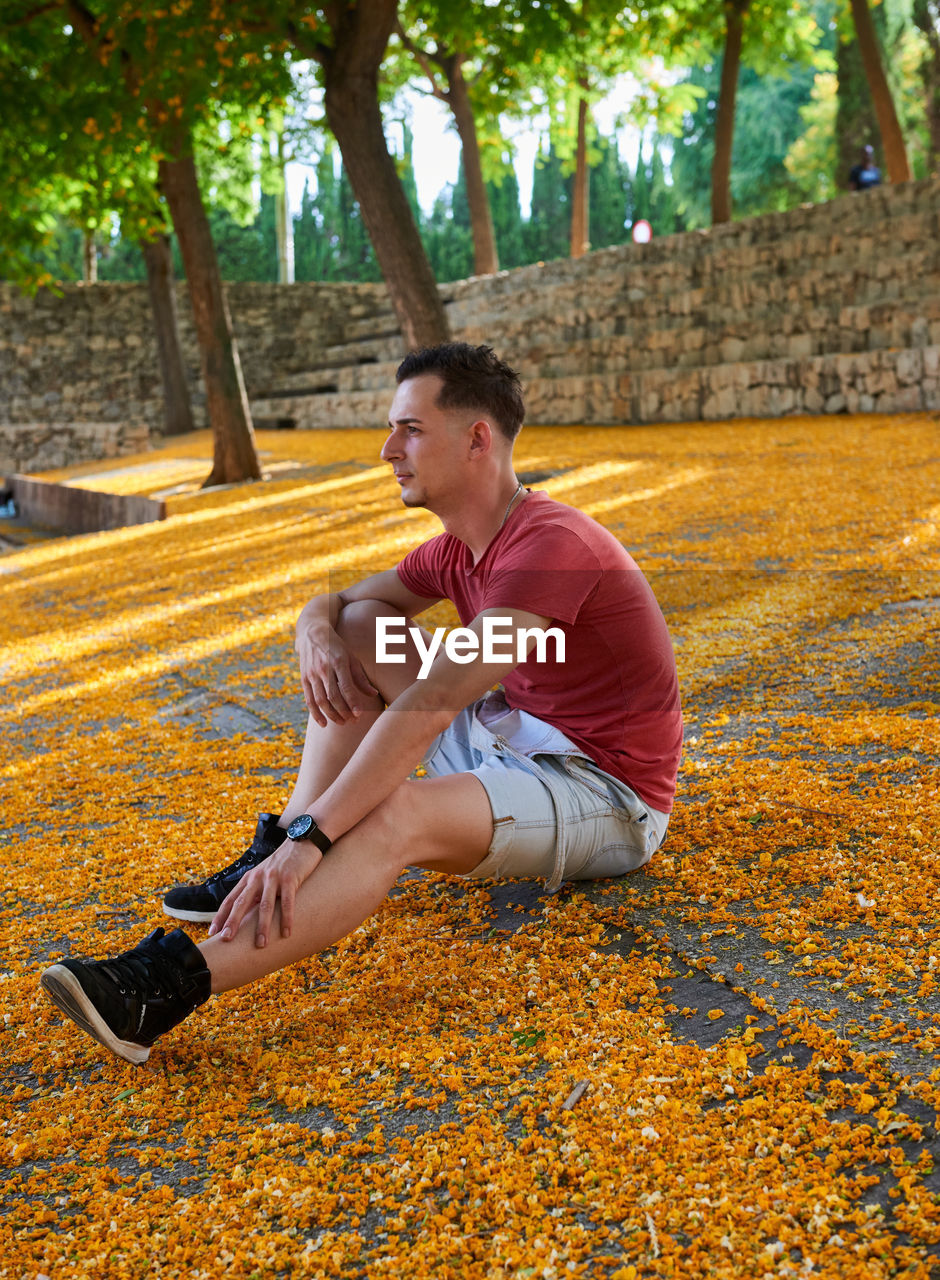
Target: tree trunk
{"x": 724, "y": 121}
{"x": 580, "y": 194}
{"x": 926, "y": 17}
{"x": 283, "y": 226}
{"x": 485, "y": 256}
{"x": 351, "y": 69}
{"x": 892, "y": 140}
{"x": 856, "y": 125}
{"x": 177, "y": 409}
{"x": 234, "y": 455}
{"x": 89, "y": 258}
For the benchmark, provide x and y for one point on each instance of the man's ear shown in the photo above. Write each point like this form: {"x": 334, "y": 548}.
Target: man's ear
{"x": 480, "y": 436}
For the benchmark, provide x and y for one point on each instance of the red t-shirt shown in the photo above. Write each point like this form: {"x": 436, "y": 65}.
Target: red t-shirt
{"x": 616, "y": 695}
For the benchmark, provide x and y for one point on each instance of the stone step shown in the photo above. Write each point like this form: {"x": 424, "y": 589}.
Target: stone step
{"x": 373, "y": 328}
{"x": 324, "y": 380}
{"x": 886, "y": 381}
{"x": 365, "y": 351}
{"x": 327, "y": 409}
{"x": 70, "y": 509}
{"x": 856, "y": 329}
{"x": 562, "y": 352}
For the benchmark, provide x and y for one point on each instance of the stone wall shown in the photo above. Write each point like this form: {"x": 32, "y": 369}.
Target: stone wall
{"x": 827, "y": 308}
{"x": 45, "y": 446}
{"x": 89, "y": 352}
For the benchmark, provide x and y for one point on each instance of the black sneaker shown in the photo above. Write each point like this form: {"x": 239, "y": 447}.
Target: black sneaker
{"x": 201, "y": 901}
{"x": 125, "y": 1003}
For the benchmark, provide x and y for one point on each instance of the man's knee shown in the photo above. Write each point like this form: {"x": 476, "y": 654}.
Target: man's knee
{"x": 444, "y": 824}
{"x": 392, "y": 827}
{"x": 358, "y": 628}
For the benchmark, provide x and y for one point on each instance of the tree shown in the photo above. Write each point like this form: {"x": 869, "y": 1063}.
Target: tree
{"x": 926, "y": 17}
{"x": 234, "y": 455}
{"x": 591, "y": 43}
{"x": 330, "y": 238}
{"x": 812, "y": 159}
{"x": 892, "y": 139}
{"x": 579, "y": 234}
{"x": 855, "y": 122}
{"x": 663, "y": 212}
{"x": 641, "y": 189}
{"x": 549, "y": 224}
{"x": 484, "y": 61}
{"x": 157, "y": 254}
{"x": 768, "y": 36}
{"x": 770, "y": 39}
{"x": 85, "y": 182}
{"x": 447, "y": 235}
{"x": 507, "y": 217}
{"x": 295, "y": 133}
{"x": 735, "y": 12}
{"x": 769, "y": 121}
{"x": 349, "y": 45}
{"x": 155, "y": 74}
{"x": 610, "y": 196}
{"x": 443, "y": 61}
{"x": 284, "y": 227}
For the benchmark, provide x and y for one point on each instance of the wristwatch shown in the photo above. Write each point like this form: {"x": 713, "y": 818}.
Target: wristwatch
{"x": 305, "y": 828}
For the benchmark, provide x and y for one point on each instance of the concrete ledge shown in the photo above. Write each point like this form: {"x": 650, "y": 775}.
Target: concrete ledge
{"x": 72, "y": 510}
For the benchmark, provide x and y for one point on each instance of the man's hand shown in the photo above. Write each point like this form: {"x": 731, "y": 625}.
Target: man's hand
{"x": 277, "y": 879}
{"x": 334, "y": 681}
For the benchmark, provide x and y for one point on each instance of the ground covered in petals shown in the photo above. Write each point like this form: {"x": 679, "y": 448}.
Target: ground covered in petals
{"x": 724, "y": 1066}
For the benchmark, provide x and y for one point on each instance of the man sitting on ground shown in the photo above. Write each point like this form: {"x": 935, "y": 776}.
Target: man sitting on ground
{"x": 565, "y": 772}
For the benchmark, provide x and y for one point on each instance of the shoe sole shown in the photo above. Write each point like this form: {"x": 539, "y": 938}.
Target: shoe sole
{"x": 196, "y": 917}
{"x": 67, "y": 994}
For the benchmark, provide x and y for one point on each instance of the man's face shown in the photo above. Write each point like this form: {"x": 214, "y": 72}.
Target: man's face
{"x": 426, "y": 445}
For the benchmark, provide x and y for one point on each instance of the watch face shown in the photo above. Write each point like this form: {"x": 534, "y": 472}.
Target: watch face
{"x": 300, "y": 826}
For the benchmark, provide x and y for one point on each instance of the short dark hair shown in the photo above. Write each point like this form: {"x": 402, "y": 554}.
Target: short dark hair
{"x": 473, "y": 378}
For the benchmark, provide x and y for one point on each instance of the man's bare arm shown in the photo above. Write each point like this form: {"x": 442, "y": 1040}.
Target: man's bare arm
{"x": 401, "y": 736}
{"x": 397, "y": 741}
{"x": 335, "y": 685}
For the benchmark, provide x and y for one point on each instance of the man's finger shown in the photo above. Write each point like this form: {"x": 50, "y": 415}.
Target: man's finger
{"x": 321, "y": 709}
{"x": 241, "y": 899}
{"x": 339, "y": 688}
{"x": 265, "y": 912}
{"x": 224, "y": 911}
{"x": 287, "y": 908}
{"x": 362, "y": 680}
{"x": 309, "y": 697}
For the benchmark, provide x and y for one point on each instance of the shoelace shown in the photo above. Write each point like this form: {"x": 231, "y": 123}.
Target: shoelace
{"x": 248, "y": 859}
{"x": 145, "y": 967}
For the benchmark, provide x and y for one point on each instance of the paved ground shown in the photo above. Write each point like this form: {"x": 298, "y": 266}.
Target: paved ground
{"x": 781, "y": 946}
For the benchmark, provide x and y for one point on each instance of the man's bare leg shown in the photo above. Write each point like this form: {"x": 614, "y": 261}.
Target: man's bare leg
{"x": 329, "y": 748}
{"x": 443, "y": 824}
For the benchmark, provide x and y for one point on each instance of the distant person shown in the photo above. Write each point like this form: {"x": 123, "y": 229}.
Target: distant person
{"x": 866, "y": 173}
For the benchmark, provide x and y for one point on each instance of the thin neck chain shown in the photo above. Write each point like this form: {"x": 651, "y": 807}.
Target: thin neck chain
{"x": 519, "y": 489}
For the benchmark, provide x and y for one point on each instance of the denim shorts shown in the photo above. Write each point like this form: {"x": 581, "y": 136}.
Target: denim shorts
{"x": 556, "y": 814}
